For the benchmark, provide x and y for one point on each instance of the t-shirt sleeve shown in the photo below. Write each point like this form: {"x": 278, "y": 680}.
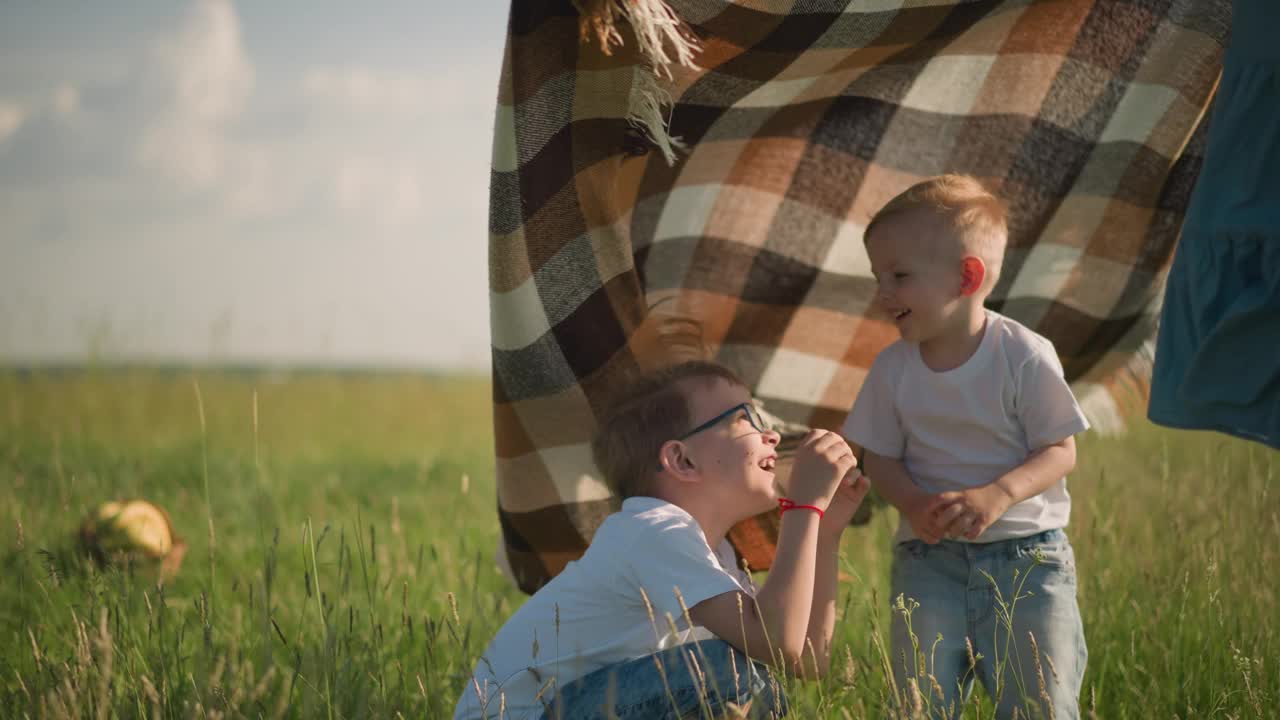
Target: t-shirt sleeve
{"x": 729, "y": 561}
{"x": 1046, "y": 408}
{"x": 874, "y": 422}
{"x": 675, "y": 555}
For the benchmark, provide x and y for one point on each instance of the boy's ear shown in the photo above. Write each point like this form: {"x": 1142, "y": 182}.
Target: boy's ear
{"x": 972, "y": 272}
{"x": 674, "y": 458}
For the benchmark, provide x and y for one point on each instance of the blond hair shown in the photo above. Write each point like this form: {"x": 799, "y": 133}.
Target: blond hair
{"x": 648, "y": 412}
{"x": 977, "y": 218}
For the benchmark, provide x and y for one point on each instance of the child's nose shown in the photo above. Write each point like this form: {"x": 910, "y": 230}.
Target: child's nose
{"x": 772, "y": 437}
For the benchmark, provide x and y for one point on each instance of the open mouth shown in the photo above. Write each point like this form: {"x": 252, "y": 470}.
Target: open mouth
{"x": 769, "y": 463}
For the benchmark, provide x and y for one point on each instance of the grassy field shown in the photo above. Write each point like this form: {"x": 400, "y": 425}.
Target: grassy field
{"x": 342, "y": 530}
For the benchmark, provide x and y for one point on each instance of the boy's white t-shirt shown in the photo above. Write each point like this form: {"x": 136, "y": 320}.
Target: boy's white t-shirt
{"x": 967, "y": 426}
{"x": 592, "y": 615}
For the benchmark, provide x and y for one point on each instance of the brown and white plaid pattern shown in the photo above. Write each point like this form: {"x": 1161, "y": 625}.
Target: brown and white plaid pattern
{"x": 804, "y": 117}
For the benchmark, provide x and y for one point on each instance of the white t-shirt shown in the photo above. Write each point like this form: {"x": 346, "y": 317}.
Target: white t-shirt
{"x": 592, "y": 615}
{"x": 968, "y": 426}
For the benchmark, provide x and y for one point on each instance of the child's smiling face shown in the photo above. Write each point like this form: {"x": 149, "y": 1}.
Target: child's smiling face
{"x": 916, "y": 261}
{"x": 733, "y": 452}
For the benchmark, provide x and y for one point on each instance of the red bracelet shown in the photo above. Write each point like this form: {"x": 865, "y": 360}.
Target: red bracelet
{"x": 784, "y": 505}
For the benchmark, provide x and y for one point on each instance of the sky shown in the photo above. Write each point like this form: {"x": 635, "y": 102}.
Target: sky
{"x": 282, "y": 183}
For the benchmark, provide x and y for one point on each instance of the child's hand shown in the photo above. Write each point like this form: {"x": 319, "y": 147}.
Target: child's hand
{"x": 822, "y": 461}
{"x": 968, "y": 513}
{"x": 923, "y": 517}
{"x": 844, "y": 504}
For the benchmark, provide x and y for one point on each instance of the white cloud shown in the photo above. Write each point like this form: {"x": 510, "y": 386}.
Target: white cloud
{"x": 66, "y": 100}
{"x": 366, "y": 89}
{"x": 11, "y": 116}
{"x": 357, "y": 88}
{"x": 408, "y": 142}
{"x": 382, "y": 148}
{"x": 205, "y": 78}
{"x": 381, "y": 190}
{"x": 335, "y": 208}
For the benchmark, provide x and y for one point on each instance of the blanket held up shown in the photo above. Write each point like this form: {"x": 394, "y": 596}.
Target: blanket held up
{"x": 690, "y": 178}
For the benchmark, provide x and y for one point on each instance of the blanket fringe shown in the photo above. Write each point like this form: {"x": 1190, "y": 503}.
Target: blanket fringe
{"x": 662, "y": 39}
{"x": 647, "y": 109}
{"x": 655, "y": 26}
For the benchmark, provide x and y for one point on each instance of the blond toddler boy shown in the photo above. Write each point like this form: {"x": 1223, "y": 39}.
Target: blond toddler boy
{"x": 968, "y": 428}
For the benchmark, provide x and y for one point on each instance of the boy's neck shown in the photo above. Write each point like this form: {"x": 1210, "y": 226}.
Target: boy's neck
{"x": 953, "y": 347}
{"x": 714, "y": 528}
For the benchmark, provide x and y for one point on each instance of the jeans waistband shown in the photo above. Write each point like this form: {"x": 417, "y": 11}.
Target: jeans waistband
{"x": 1040, "y": 538}
{"x": 1010, "y": 547}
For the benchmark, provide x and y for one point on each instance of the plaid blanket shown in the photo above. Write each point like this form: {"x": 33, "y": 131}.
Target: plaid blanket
{"x": 691, "y": 178}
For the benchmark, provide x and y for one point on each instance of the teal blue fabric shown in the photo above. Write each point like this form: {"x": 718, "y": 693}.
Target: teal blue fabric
{"x": 1217, "y": 364}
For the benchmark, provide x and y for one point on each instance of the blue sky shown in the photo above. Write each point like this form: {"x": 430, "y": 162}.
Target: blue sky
{"x": 280, "y": 182}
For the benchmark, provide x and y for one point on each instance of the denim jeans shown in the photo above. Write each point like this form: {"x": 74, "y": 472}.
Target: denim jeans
{"x": 999, "y": 596}
{"x": 668, "y": 686}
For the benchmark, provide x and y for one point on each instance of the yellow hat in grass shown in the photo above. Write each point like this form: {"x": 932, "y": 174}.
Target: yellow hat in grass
{"x": 133, "y": 528}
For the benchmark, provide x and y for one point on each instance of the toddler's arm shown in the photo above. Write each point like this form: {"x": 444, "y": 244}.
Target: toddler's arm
{"x": 970, "y": 512}
{"x": 1050, "y": 417}
{"x": 1039, "y": 472}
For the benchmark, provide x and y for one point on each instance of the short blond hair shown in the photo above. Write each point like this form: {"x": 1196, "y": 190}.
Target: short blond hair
{"x": 977, "y": 217}
{"x": 649, "y": 411}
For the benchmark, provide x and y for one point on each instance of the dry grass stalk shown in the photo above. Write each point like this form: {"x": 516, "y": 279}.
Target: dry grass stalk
{"x": 1040, "y": 682}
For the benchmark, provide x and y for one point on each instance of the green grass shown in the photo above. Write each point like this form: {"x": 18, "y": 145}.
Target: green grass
{"x": 341, "y": 555}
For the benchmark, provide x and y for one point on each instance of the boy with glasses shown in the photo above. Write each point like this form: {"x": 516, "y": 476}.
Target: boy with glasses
{"x": 656, "y": 620}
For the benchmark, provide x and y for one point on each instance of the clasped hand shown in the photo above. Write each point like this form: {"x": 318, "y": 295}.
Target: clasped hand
{"x": 962, "y": 513}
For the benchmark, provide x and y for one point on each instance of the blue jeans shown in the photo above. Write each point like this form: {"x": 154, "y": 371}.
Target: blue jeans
{"x": 997, "y": 596}
{"x": 668, "y": 686}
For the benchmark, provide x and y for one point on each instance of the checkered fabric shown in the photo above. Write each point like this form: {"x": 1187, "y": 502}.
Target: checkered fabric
{"x": 609, "y": 254}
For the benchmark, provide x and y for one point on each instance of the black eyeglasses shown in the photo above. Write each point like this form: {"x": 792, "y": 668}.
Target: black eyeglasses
{"x": 753, "y": 417}
{"x": 752, "y": 414}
